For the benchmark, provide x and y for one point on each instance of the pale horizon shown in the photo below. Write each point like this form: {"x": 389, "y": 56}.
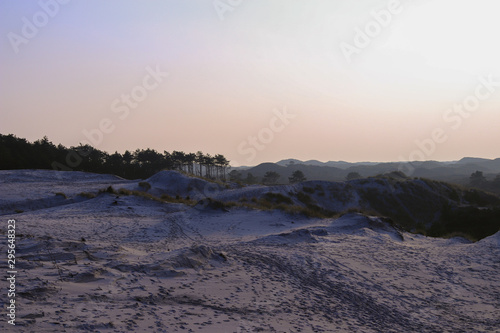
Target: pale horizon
{"x": 377, "y": 81}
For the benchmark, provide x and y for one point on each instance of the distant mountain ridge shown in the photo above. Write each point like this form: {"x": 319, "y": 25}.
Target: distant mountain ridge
{"x": 336, "y": 164}
{"x": 450, "y": 171}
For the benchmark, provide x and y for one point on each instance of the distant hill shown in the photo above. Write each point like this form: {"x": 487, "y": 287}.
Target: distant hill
{"x": 472, "y": 160}
{"x": 336, "y": 164}
{"x": 456, "y": 171}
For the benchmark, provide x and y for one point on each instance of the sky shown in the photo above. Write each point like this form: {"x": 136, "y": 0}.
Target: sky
{"x": 256, "y": 80}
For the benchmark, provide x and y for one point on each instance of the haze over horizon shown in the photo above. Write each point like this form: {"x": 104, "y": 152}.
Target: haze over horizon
{"x": 256, "y": 81}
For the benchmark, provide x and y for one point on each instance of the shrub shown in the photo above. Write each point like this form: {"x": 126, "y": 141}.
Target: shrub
{"x": 87, "y": 195}
{"x": 475, "y": 222}
{"x": 479, "y": 198}
{"x": 122, "y": 191}
{"x": 304, "y": 198}
{"x": 163, "y": 198}
{"x": 177, "y": 199}
{"x": 318, "y": 212}
{"x": 270, "y": 202}
{"x": 277, "y": 198}
{"x": 166, "y": 197}
{"x": 61, "y": 194}
{"x": 309, "y": 190}
{"x": 109, "y": 190}
{"x": 145, "y": 185}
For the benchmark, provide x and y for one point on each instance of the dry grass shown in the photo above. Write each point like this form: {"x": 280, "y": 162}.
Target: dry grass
{"x": 87, "y": 195}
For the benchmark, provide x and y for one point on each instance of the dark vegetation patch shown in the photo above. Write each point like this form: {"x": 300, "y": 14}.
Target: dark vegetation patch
{"x": 19, "y": 153}
{"x": 277, "y": 201}
{"x": 473, "y": 222}
{"x": 432, "y": 208}
{"x": 304, "y": 198}
{"x": 163, "y": 198}
{"x": 307, "y": 189}
{"x": 278, "y": 198}
{"x": 61, "y": 194}
{"x": 87, "y": 195}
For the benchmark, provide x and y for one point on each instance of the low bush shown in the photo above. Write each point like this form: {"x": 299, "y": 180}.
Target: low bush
{"x": 163, "y": 198}
{"x": 109, "y": 190}
{"x": 284, "y": 204}
{"x": 304, "y": 198}
{"x": 309, "y": 190}
{"x": 87, "y": 195}
{"x": 145, "y": 185}
{"x": 474, "y": 222}
{"x": 277, "y": 198}
{"x": 318, "y": 212}
{"x": 480, "y": 198}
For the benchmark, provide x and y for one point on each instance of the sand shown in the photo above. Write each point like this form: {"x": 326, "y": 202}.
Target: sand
{"x": 129, "y": 264}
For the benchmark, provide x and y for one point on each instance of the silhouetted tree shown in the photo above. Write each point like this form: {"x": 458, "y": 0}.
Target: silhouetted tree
{"x": 250, "y": 179}
{"x": 190, "y": 159}
{"x": 200, "y": 160}
{"x": 209, "y": 163}
{"x": 297, "y": 177}
{"x": 352, "y": 175}
{"x": 271, "y": 177}
{"x": 17, "y": 153}
{"x": 178, "y": 159}
{"x": 221, "y": 163}
{"x": 477, "y": 179}
{"x": 235, "y": 176}
{"x": 115, "y": 161}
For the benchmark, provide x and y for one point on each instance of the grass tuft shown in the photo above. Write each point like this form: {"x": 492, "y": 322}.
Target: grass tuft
{"x": 61, "y": 194}
{"x": 87, "y": 195}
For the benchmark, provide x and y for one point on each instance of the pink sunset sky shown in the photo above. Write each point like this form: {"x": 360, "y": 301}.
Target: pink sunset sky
{"x": 256, "y": 80}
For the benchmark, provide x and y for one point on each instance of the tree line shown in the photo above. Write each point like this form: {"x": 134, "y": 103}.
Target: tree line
{"x": 18, "y": 153}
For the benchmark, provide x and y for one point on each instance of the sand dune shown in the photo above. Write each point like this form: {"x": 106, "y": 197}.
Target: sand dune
{"x": 125, "y": 263}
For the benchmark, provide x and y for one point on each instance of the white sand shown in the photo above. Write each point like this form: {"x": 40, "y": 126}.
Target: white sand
{"x": 146, "y": 266}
